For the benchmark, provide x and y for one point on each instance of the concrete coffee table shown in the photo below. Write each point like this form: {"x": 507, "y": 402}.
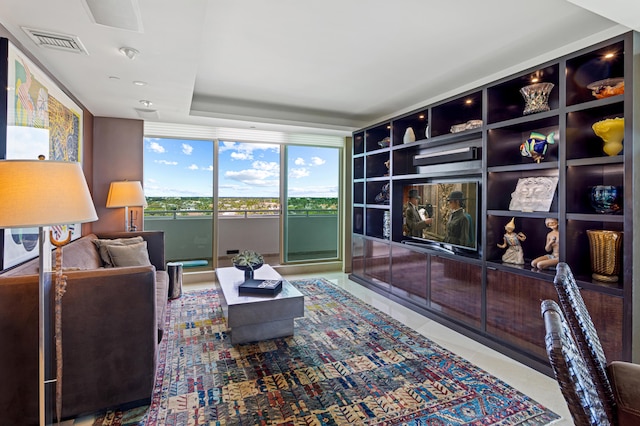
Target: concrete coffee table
{"x": 252, "y": 318}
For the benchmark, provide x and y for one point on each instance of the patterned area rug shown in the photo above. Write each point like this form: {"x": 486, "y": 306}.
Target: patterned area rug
{"x": 347, "y": 363}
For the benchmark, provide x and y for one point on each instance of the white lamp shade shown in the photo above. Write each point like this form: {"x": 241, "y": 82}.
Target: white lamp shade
{"x": 126, "y": 194}
{"x": 36, "y": 193}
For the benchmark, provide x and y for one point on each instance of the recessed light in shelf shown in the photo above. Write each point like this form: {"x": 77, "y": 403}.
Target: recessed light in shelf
{"x": 139, "y": 83}
{"x": 146, "y": 103}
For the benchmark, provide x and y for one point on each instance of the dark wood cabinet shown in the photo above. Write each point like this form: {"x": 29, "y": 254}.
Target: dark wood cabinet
{"x": 473, "y": 290}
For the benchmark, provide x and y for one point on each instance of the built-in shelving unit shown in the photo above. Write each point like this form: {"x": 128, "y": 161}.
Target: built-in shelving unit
{"x": 476, "y": 136}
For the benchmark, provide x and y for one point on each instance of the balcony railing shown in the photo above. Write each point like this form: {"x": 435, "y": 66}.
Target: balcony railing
{"x": 189, "y": 234}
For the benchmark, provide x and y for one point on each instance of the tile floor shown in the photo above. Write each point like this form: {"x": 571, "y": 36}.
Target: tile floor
{"x": 532, "y": 383}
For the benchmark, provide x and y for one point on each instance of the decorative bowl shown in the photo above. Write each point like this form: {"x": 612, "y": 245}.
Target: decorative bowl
{"x": 605, "y": 199}
{"x": 608, "y": 87}
{"x": 536, "y": 97}
{"x": 458, "y": 128}
{"x": 384, "y": 143}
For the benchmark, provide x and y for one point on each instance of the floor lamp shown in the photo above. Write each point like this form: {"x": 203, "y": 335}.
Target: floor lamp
{"x": 126, "y": 193}
{"x": 36, "y": 193}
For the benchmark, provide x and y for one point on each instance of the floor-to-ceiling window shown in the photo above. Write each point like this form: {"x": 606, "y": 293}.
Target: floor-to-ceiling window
{"x": 311, "y": 219}
{"x": 178, "y": 185}
{"x": 266, "y": 191}
{"x": 248, "y": 178}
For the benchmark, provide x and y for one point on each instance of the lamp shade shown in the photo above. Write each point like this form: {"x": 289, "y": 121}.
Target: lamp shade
{"x": 126, "y": 194}
{"x": 36, "y": 193}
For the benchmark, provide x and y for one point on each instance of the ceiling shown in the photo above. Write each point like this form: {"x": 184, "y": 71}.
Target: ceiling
{"x": 327, "y": 66}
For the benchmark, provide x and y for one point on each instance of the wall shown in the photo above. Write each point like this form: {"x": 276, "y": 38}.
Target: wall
{"x": 118, "y": 146}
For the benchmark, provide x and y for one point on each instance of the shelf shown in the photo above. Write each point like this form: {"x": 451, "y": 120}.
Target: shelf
{"x": 463, "y": 110}
{"x": 376, "y": 136}
{"x": 417, "y": 121}
{"x": 574, "y": 155}
{"x": 505, "y": 101}
{"x": 605, "y": 218}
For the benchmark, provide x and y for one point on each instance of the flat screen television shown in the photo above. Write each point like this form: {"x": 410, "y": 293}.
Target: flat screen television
{"x": 451, "y": 209}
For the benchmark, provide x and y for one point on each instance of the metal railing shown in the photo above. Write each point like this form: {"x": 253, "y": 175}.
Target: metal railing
{"x": 237, "y": 213}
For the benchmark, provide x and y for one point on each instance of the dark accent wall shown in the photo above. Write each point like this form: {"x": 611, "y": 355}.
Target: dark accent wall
{"x": 117, "y": 155}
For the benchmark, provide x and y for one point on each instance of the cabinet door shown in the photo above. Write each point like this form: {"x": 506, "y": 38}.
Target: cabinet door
{"x": 409, "y": 274}
{"x": 357, "y": 256}
{"x": 376, "y": 262}
{"x": 513, "y": 309}
{"x": 456, "y": 289}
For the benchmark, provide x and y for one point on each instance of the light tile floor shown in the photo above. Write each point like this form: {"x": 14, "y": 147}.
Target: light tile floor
{"x": 536, "y": 385}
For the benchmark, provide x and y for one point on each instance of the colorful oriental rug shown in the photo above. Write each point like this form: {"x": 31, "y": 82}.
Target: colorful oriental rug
{"x": 347, "y": 364}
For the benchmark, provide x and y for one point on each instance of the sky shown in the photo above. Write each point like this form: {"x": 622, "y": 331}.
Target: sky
{"x": 184, "y": 168}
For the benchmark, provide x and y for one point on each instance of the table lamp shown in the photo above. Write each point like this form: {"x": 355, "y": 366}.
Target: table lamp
{"x": 36, "y": 193}
{"x": 126, "y": 194}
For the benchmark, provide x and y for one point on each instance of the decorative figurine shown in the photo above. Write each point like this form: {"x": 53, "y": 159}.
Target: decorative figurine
{"x": 536, "y": 146}
{"x": 552, "y": 247}
{"x": 511, "y": 241}
{"x": 409, "y": 136}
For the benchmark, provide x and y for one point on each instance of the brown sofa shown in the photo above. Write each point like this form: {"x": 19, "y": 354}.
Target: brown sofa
{"x": 113, "y": 319}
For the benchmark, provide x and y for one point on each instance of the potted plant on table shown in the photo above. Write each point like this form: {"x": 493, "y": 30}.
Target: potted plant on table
{"x": 248, "y": 261}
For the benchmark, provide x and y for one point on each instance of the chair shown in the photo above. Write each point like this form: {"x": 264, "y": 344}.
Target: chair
{"x": 571, "y": 371}
{"x": 618, "y": 383}
{"x": 585, "y": 334}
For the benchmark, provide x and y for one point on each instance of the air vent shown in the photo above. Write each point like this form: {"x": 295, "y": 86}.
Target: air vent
{"x": 65, "y": 42}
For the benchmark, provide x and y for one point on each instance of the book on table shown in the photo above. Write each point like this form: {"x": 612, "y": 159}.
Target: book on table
{"x": 265, "y": 287}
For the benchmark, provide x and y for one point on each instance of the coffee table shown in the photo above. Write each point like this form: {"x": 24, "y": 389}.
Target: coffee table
{"x": 253, "y": 318}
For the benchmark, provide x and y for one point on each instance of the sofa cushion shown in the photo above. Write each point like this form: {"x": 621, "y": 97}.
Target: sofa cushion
{"x": 129, "y": 255}
{"x": 80, "y": 254}
{"x": 102, "y": 245}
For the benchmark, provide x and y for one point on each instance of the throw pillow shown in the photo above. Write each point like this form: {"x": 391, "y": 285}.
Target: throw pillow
{"x": 103, "y": 244}
{"x": 129, "y": 255}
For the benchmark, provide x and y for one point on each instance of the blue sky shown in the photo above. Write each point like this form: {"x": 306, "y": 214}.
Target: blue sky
{"x": 184, "y": 168}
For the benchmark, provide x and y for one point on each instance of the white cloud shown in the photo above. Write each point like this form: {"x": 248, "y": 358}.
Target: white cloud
{"x": 254, "y": 177}
{"x": 187, "y": 149}
{"x": 313, "y": 191}
{"x": 166, "y": 162}
{"x": 270, "y": 166}
{"x": 241, "y": 156}
{"x": 317, "y": 161}
{"x": 298, "y": 173}
{"x": 156, "y": 147}
{"x": 193, "y": 167}
{"x": 209, "y": 168}
{"x": 299, "y": 161}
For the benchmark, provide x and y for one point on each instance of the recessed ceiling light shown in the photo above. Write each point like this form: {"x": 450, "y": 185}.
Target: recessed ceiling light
{"x": 139, "y": 83}
{"x": 129, "y": 52}
{"x": 609, "y": 55}
{"x": 113, "y": 77}
{"x": 146, "y": 103}
{"x": 468, "y": 101}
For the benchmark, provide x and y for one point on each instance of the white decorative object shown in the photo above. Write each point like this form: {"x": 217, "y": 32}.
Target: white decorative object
{"x": 386, "y": 225}
{"x": 409, "y": 136}
{"x": 533, "y": 194}
{"x": 426, "y": 132}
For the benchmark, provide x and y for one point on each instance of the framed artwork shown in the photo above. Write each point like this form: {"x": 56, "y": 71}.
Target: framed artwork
{"x": 42, "y": 122}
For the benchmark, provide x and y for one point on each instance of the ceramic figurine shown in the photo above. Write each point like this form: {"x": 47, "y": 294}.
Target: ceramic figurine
{"x": 552, "y": 247}
{"x": 409, "y": 136}
{"x": 511, "y": 241}
{"x": 536, "y": 146}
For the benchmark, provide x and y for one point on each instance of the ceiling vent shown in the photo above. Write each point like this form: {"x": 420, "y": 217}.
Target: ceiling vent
{"x": 122, "y": 14}
{"x": 65, "y": 42}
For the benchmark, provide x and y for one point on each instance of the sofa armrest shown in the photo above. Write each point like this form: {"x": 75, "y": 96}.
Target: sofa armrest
{"x": 109, "y": 338}
{"x": 155, "y": 244}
